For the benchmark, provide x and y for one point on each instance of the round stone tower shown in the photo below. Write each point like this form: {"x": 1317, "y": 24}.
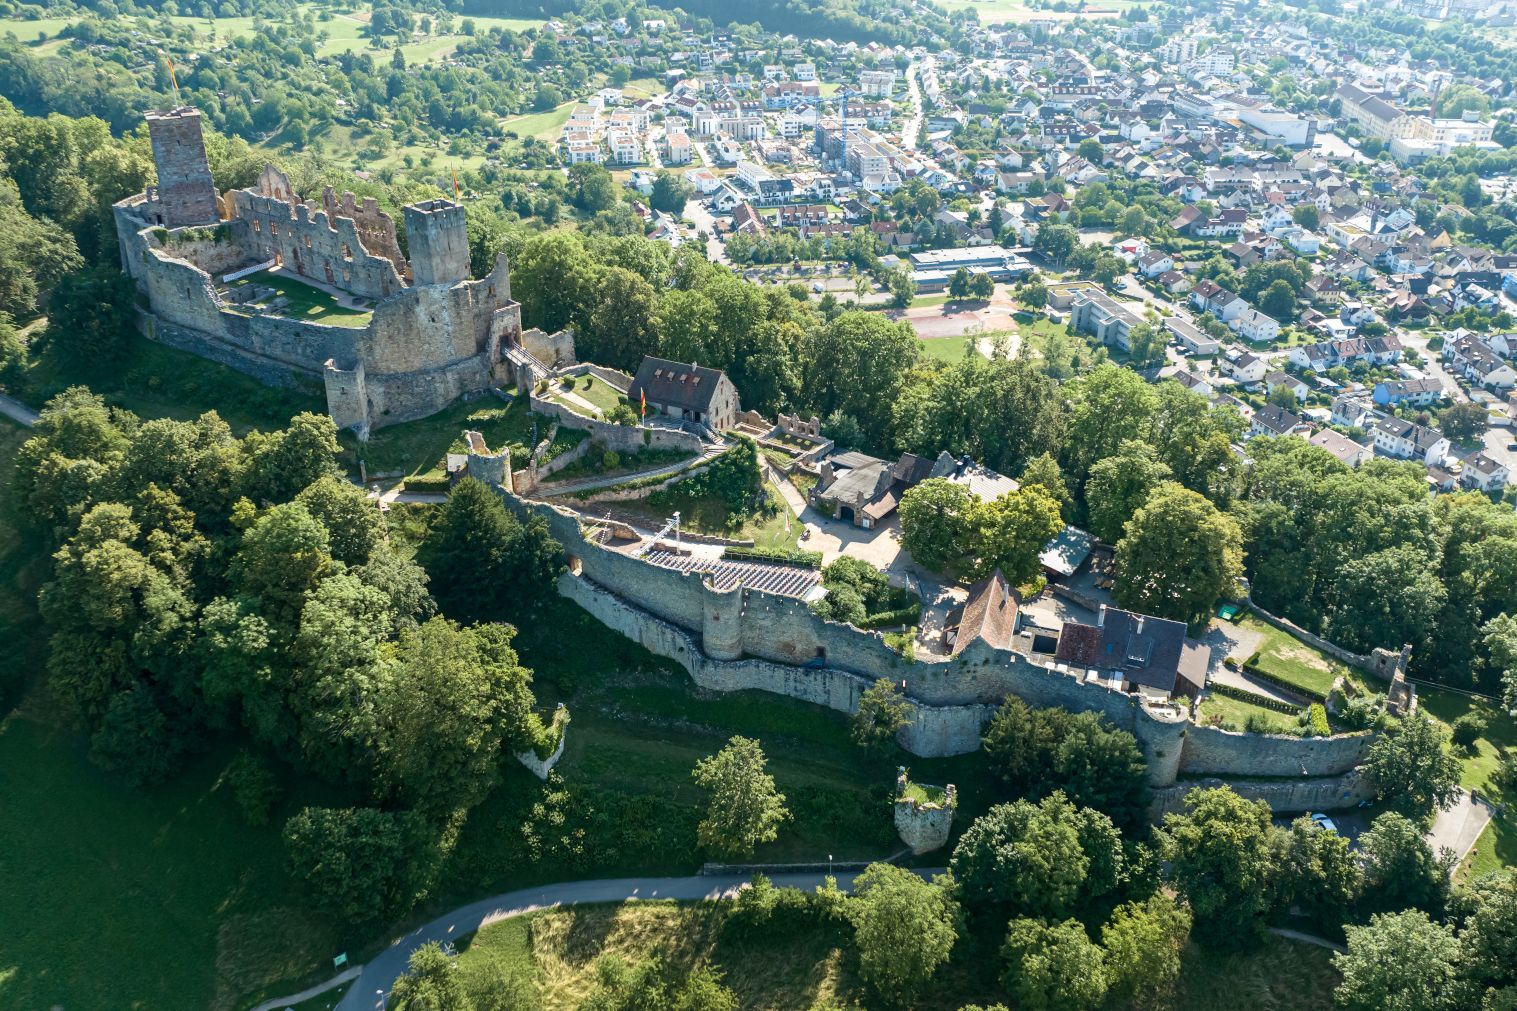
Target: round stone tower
{"x": 722, "y": 623}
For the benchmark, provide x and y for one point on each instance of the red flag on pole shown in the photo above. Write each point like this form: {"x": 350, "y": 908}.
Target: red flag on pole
{"x": 644, "y": 395}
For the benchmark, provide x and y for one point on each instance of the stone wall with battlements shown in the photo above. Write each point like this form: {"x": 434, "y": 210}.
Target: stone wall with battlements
{"x": 622, "y": 438}
{"x": 308, "y": 241}
{"x": 741, "y": 639}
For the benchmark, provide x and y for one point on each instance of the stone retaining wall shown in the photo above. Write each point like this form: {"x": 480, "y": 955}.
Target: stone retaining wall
{"x": 1331, "y": 793}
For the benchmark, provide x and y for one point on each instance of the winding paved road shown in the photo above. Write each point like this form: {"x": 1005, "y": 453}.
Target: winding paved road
{"x": 373, "y": 985}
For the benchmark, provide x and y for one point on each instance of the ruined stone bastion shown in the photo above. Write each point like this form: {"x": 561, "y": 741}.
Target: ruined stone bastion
{"x": 435, "y": 334}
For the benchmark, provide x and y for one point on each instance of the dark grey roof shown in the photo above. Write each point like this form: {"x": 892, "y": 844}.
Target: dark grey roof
{"x": 665, "y": 382}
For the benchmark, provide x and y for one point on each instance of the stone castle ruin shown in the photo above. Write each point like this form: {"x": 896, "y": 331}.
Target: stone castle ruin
{"x": 415, "y": 335}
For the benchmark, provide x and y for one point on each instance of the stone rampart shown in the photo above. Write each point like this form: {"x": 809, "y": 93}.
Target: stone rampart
{"x": 1215, "y": 752}
{"x": 743, "y": 639}
{"x": 1324, "y": 793}
{"x": 310, "y": 243}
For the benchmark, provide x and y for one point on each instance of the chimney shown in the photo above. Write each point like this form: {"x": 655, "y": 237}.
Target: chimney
{"x": 1101, "y": 618}
{"x": 1140, "y": 624}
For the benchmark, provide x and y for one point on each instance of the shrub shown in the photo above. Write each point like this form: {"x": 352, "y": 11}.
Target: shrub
{"x": 1317, "y": 716}
{"x": 1244, "y": 695}
{"x": 253, "y": 787}
{"x": 764, "y": 912}
{"x": 428, "y": 484}
{"x": 908, "y": 615}
{"x": 610, "y": 460}
{"x": 1362, "y": 713}
{"x": 1467, "y": 729}
{"x": 789, "y": 556}
{"x": 589, "y": 381}
{"x": 1257, "y": 724}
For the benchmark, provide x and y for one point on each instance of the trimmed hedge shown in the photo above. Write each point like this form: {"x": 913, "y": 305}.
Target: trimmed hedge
{"x": 1244, "y": 695}
{"x": 909, "y": 615}
{"x": 1317, "y": 714}
{"x": 428, "y": 484}
{"x": 788, "y": 556}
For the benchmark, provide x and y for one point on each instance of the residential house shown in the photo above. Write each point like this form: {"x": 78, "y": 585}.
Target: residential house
{"x": 1136, "y": 652}
{"x": 1275, "y": 380}
{"x": 1271, "y": 419}
{"x": 1481, "y": 473}
{"x": 686, "y": 392}
{"x": 1408, "y": 392}
{"x": 1404, "y": 440}
{"x": 1341, "y": 446}
{"x": 1251, "y": 324}
{"x": 864, "y": 490}
{"x": 1249, "y": 369}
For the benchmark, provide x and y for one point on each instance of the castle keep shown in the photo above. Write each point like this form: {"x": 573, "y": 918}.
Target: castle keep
{"x": 245, "y": 277}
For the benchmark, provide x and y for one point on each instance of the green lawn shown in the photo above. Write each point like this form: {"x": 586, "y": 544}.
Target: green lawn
{"x": 558, "y": 949}
{"x": 601, "y": 394}
{"x": 946, "y": 349}
{"x": 1279, "y": 975}
{"x": 23, "y": 567}
{"x": 1235, "y": 714}
{"x": 125, "y": 898}
{"x": 1291, "y": 660}
{"x": 592, "y": 464}
{"x": 31, "y": 30}
{"x": 156, "y": 381}
{"x": 542, "y": 125}
{"x": 304, "y": 302}
{"x": 417, "y": 447}
{"x": 1497, "y": 845}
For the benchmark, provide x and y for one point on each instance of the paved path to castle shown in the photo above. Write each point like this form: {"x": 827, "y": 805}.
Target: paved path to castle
{"x": 1458, "y": 827}
{"x": 17, "y": 411}
{"x": 372, "y": 987}
{"x": 589, "y": 484}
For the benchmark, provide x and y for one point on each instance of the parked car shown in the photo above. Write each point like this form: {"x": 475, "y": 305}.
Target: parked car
{"x": 1325, "y": 823}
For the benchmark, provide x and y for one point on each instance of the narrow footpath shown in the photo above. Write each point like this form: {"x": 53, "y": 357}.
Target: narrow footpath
{"x": 17, "y": 411}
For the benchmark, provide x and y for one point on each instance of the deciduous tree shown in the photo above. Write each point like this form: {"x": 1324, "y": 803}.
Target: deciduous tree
{"x": 1178, "y": 555}
{"x": 904, "y": 928}
{"x": 743, "y": 809}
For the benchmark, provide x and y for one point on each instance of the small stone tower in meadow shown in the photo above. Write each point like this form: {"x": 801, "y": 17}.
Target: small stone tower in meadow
{"x": 438, "y": 236}
{"x": 186, "y": 192}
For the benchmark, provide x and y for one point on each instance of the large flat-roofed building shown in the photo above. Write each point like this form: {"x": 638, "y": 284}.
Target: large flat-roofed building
{"x": 1104, "y": 318}
{"x": 932, "y": 269}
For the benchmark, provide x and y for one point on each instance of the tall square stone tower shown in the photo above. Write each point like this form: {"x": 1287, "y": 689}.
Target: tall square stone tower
{"x": 438, "y": 236}
{"x": 186, "y": 193}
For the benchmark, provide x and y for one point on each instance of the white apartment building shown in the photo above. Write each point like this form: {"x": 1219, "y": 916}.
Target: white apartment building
{"x": 877, "y": 83}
